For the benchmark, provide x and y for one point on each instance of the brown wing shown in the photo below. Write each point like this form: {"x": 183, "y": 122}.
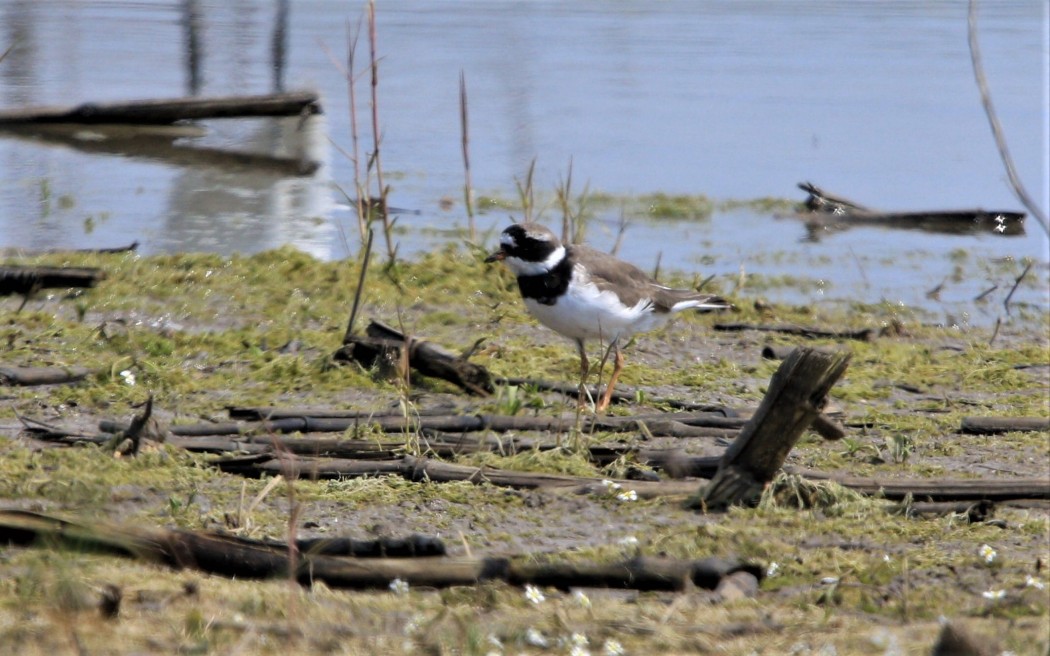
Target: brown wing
{"x": 630, "y": 282}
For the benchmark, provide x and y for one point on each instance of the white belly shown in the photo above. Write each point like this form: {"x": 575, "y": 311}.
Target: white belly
{"x": 585, "y": 313}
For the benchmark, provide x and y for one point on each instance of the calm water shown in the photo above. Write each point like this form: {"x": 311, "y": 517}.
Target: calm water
{"x": 733, "y": 99}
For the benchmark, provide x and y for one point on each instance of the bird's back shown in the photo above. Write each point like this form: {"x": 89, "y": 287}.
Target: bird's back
{"x": 633, "y": 285}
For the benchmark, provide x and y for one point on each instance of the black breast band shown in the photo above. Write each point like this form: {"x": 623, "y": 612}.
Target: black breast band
{"x": 545, "y": 288}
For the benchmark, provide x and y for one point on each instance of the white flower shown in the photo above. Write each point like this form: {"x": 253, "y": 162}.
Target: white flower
{"x": 987, "y": 553}
{"x": 578, "y": 640}
{"x": 613, "y": 648}
{"x": 582, "y": 599}
{"x": 534, "y": 594}
{"x": 414, "y": 623}
{"x": 627, "y": 495}
{"x": 628, "y": 541}
{"x": 129, "y": 377}
{"x": 772, "y": 569}
{"x": 579, "y": 651}
{"x": 610, "y": 486}
{"x": 1033, "y": 582}
{"x": 993, "y": 594}
{"x": 399, "y": 586}
{"x": 536, "y": 638}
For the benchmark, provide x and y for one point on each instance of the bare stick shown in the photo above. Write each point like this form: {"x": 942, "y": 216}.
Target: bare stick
{"x": 995, "y": 332}
{"x": 360, "y": 287}
{"x": 1017, "y": 283}
{"x": 383, "y": 190}
{"x": 993, "y": 122}
{"x": 568, "y": 232}
{"x": 468, "y": 190}
{"x": 983, "y": 295}
{"x": 525, "y": 192}
{"x": 355, "y": 158}
{"x": 621, "y": 229}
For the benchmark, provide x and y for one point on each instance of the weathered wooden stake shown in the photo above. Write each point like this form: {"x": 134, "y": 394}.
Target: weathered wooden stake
{"x": 797, "y": 392}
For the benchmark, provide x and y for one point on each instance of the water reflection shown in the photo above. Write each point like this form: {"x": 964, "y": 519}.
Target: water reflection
{"x": 733, "y": 99}
{"x": 259, "y": 209}
{"x": 192, "y": 54}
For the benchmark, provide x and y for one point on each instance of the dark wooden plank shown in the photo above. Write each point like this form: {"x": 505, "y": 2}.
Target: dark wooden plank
{"x": 994, "y": 425}
{"x": 162, "y": 111}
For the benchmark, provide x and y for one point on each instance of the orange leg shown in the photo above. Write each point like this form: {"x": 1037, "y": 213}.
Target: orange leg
{"x": 617, "y": 368}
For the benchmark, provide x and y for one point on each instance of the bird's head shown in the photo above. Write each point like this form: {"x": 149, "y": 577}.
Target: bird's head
{"x": 529, "y": 249}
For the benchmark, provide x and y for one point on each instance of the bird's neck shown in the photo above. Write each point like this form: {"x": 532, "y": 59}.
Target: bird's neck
{"x": 527, "y": 268}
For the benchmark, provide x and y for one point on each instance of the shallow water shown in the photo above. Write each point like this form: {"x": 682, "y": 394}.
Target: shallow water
{"x": 736, "y": 100}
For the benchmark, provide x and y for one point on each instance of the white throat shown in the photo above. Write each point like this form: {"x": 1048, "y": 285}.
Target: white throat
{"x": 522, "y": 268}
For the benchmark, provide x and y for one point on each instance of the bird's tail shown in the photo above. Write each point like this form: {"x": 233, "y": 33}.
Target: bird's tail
{"x": 713, "y": 303}
{"x": 703, "y": 303}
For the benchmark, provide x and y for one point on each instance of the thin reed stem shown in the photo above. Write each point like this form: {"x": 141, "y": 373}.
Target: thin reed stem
{"x": 468, "y": 189}
{"x": 526, "y": 193}
{"x": 997, "y": 128}
{"x": 380, "y": 208}
{"x": 359, "y": 185}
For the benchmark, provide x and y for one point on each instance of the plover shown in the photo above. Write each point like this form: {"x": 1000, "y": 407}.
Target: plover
{"x": 585, "y": 294}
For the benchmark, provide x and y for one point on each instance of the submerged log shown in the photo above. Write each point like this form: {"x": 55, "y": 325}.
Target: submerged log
{"x": 243, "y": 558}
{"x": 826, "y": 210}
{"x": 17, "y": 279}
{"x": 22, "y": 252}
{"x": 163, "y": 111}
{"x": 797, "y": 393}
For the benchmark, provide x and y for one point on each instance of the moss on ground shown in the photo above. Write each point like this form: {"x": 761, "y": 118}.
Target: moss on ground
{"x": 202, "y": 332}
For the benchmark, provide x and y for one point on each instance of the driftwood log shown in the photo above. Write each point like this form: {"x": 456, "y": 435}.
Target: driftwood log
{"x": 797, "y": 392}
{"x": 671, "y": 424}
{"x": 435, "y": 471}
{"x": 242, "y": 558}
{"x": 383, "y": 346}
{"x": 825, "y": 210}
{"x": 938, "y": 489}
{"x": 22, "y": 252}
{"x": 163, "y": 111}
{"x": 974, "y": 511}
{"x": 337, "y": 458}
{"x": 27, "y": 376}
{"x": 995, "y": 425}
{"x": 864, "y": 334}
{"x": 16, "y": 279}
